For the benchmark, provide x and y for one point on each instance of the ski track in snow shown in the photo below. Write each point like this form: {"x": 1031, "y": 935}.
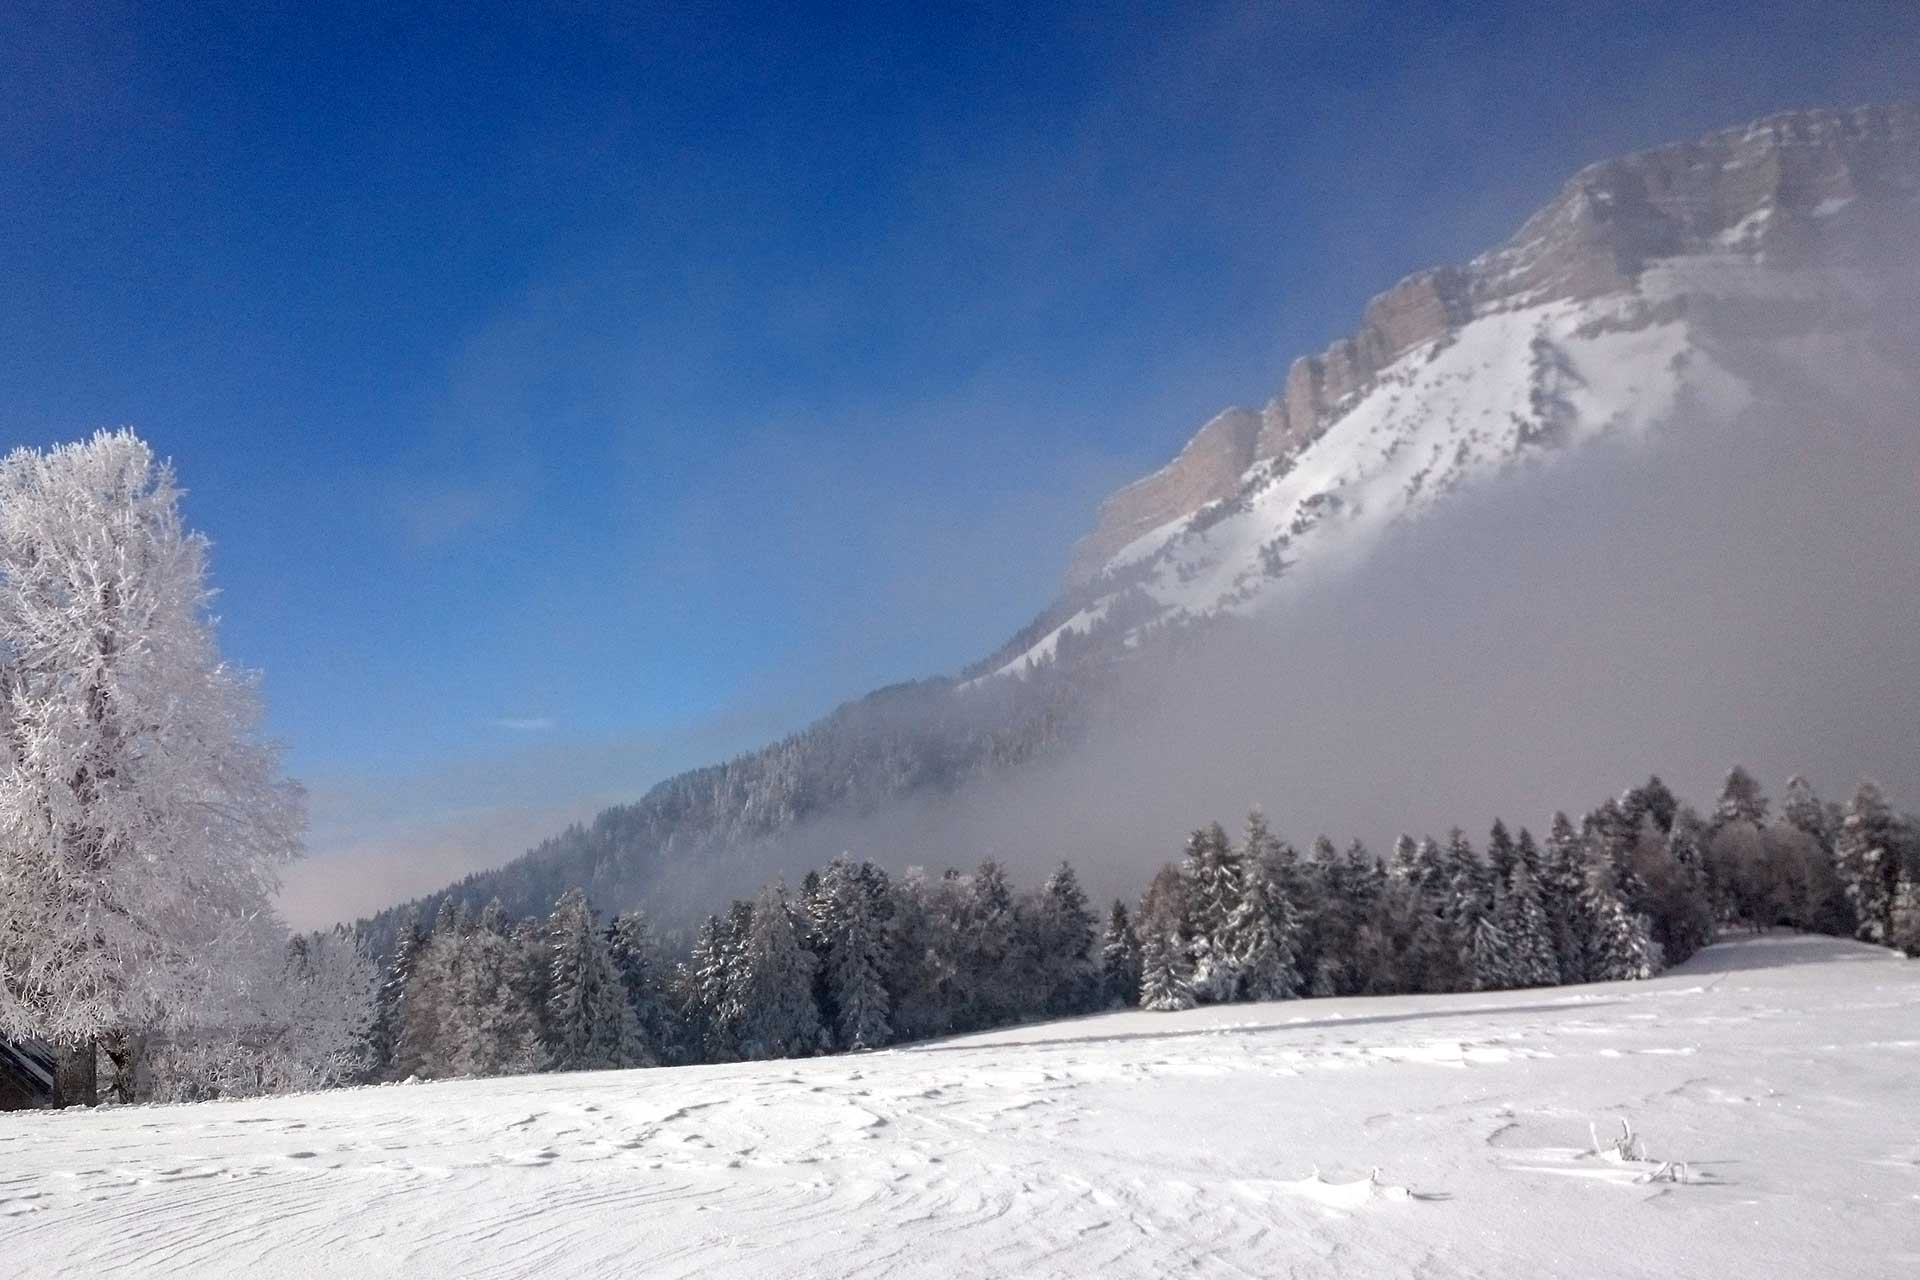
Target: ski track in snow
{"x": 1231, "y": 1141}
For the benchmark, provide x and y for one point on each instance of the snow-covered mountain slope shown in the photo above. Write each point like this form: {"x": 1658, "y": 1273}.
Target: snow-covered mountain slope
{"x": 1639, "y": 301}
{"x": 1766, "y": 1083}
{"x": 1763, "y": 266}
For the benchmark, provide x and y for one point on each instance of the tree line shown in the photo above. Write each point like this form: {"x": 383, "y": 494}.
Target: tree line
{"x": 859, "y": 959}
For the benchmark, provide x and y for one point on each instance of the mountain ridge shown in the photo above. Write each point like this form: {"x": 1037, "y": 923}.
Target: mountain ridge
{"x": 1596, "y": 236}
{"x": 1638, "y": 290}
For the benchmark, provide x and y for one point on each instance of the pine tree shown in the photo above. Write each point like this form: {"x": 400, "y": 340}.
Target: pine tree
{"x": 1166, "y": 975}
{"x": 422, "y": 1048}
{"x": 1563, "y": 880}
{"x": 1215, "y": 873}
{"x": 1741, "y": 800}
{"x": 635, "y": 953}
{"x": 1119, "y": 960}
{"x": 774, "y": 992}
{"x": 1501, "y": 853}
{"x": 1493, "y": 960}
{"x": 1868, "y": 850}
{"x": 1526, "y": 851}
{"x": 1653, "y": 802}
{"x": 990, "y": 985}
{"x": 1062, "y": 938}
{"x": 1618, "y": 943}
{"x": 856, "y": 957}
{"x": 390, "y": 1005}
{"x": 590, "y": 1026}
{"x": 492, "y": 1026}
{"x": 1259, "y": 936}
{"x": 1529, "y": 932}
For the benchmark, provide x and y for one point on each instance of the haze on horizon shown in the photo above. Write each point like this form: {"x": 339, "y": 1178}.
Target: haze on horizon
{"x": 576, "y": 401}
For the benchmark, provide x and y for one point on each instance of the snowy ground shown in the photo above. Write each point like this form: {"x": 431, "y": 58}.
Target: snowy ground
{"x": 1784, "y": 1071}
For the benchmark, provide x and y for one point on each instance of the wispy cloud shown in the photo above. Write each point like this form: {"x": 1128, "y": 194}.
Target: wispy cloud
{"x": 435, "y": 514}
{"x": 525, "y": 724}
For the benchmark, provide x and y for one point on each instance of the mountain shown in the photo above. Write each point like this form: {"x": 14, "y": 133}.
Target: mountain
{"x": 1681, "y": 284}
{"x": 1603, "y": 313}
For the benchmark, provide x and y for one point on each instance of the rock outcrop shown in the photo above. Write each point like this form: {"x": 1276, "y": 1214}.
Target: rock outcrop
{"x": 1768, "y": 190}
{"x": 1208, "y": 469}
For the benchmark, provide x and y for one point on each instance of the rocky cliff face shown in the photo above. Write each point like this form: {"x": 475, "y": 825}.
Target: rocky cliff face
{"x": 1772, "y": 190}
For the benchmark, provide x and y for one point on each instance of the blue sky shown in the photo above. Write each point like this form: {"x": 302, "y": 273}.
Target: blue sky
{"x": 573, "y": 394}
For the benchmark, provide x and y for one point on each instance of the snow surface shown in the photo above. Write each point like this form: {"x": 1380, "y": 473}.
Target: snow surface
{"x": 1783, "y": 1072}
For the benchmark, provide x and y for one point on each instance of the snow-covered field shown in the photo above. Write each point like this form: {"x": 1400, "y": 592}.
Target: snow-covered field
{"x": 1784, "y": 1071}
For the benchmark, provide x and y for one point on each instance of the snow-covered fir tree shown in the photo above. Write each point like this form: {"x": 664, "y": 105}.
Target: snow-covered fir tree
{"x": 1492, "y": 949}
{"x": 1741, "y": 800}
{"x": 1529, "y": 933}
{"x": 855, "y": 945}
{"x": 491, "y": 1025}
{"x": 1869, "y": 851}
{"x": 774, "y": 987}
{"x": 1119, "y": 960}
{"x": 635, "y": 953}
{"x": 1061, "y": 940}
{"x": 1563, "y": 881}
{"x": 143, "y": 822}
{"x": 1215, "y": 873}
{"x": 589, "y": 1024}
{"x": 1260, "y": 934}
{"x": 1619, "y": 946}
{"x": 1166, "y": 975}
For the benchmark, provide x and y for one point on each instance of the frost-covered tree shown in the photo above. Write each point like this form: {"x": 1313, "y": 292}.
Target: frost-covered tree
{"x": 491, "y": 1024}
{"x": 774, "y": 986}
{"x": 635, "y": 953}
{"x": 1618, "y": 943}
{"x": 1166, "y": 975}
{"x": 1501, "y": 853}
{"x": 1741, "y": 800}
{"x": 1216, "y": 879}
{"x": 1060, "y": 940}
{"x": 142, "y": 820}
{"x": 299, "y": 1021}
{"x": 854, "y": 943}
{"x": 389, "y": 1013}
{"x": 1529, "y": 932}
{"x": 1260, "y": 936}
{"x": 1563, "y": 880}
{"x": 1869, "y": 852}
{"x": 590, "y": 1026}
{"x": 990, "y": 985}
{"x": 1119, "y": 960}
{"x": 1651, "y": 801}
{"x": 927, "y": 981}
{"x": 1492, "y": 948}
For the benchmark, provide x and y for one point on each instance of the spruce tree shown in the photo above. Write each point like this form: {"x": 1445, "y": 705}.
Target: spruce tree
{"x": 778, "y": 1016}
{"x": 635, "y": 953}
{"x": 1260, "y": 935}
{"x": 1492, "y": 948}
{"x": 1619, "y": 945}
{"x": 1215, "y": 873}
{"x": 1563, "y": 881}
{"x": 1868, "y": 850}
{"x": 1501, "y": 853}
{"x": 1063, "y": 938}
{"x": 1741, "y": 800}
{"x": 590, "y": 1026}
{"x": 390, "y": 1004}
{"x": 856, "y": 957}
{"x": 1166, "y": 975}
{"x": 1119, "y": 960}
{"x": 1529, "y": 932}
{"x": 492, "y": 1027}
